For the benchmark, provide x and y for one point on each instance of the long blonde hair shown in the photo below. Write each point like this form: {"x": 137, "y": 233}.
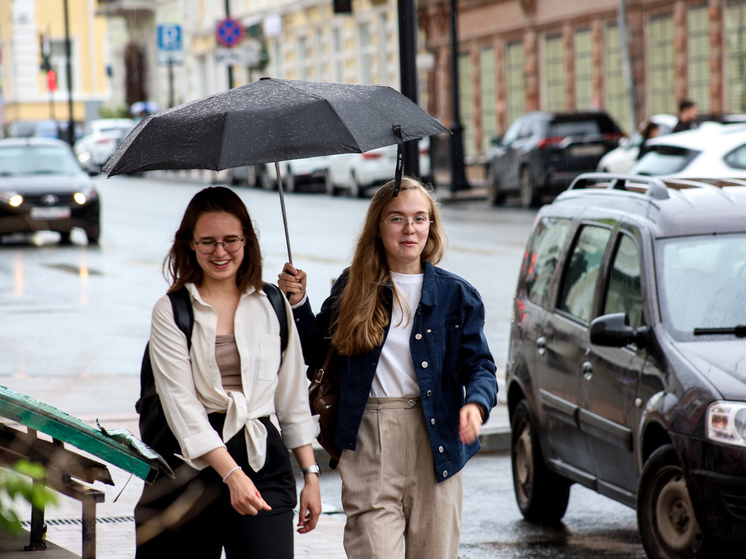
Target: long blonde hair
{"x": 362, "y": 314}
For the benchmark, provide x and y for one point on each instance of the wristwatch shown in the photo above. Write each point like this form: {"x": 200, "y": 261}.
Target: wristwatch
{"x": 313, "y": 469}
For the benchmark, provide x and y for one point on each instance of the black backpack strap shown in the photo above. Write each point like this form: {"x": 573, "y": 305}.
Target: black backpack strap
{"x": 276, "y": 298}
{"x": 183, "y": 312}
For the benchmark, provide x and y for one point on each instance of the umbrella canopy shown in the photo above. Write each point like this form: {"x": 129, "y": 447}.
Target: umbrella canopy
{"x": 271, "y": 120}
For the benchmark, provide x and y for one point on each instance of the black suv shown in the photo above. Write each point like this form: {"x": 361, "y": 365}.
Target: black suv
{"x": 627, "y": 363}
{"x": 541, "y": 153}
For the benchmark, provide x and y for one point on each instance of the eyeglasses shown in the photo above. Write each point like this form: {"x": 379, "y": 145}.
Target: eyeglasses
{"x": 231, "y": 244}
{"x": 419, "y": 223}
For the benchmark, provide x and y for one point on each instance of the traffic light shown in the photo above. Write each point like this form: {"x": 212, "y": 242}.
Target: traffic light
{"x": 342, "y": 6}
{"x": 51, "y": 81}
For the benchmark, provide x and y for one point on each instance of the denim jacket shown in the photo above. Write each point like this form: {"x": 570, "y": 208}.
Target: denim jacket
{"x": 451, "y": 358}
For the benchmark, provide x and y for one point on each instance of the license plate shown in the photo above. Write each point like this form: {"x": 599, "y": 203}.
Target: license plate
{"x": 590, "y": 149}
{"x": 53, "y": 212}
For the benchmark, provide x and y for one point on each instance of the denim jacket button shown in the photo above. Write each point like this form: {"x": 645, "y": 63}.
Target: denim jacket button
{"x": 432, "y": 421}
{"x": 441, "y": 449}
{"x": 445, "y": 473}
{"x": 429, "y": 393}
{"x": 424, "y": 364}
{"x": 418, "y": 336}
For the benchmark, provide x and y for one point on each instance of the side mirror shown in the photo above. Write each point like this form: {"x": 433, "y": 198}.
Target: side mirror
{"x": 613, "y": 330}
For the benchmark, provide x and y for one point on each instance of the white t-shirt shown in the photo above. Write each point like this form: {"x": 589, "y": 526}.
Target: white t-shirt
{"x": 395, "y": 376}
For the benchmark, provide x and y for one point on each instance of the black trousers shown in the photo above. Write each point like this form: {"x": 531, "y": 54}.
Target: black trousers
{"x": 192, "y": 516}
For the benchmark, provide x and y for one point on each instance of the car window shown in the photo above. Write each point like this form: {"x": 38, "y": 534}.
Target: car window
{"x": 664, "y": 160}
{"x": 512, "y": 134}
{"x": 37, "y": 160}
{"x": 701, "y": 282}
{"x": 737, "y": 158}
{"x": 542, "y": 259}
{"x": 581, "y": 272}
{"x": 574, "y": 128}
{"x": 623, "y": 294}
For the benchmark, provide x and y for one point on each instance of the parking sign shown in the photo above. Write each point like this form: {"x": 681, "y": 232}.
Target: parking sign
{"x": 170, "y": 47}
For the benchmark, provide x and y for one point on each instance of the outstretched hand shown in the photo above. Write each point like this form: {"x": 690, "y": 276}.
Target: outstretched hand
{"x": 293, "y": 282}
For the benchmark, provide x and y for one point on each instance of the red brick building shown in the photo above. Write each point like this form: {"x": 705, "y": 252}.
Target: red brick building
{"x": 522, "y": 55}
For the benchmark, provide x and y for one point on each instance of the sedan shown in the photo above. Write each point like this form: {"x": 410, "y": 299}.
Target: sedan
{"x": 623, "y": 158}
{"x": 296, "y": 174}
{"x": 101, "y": 139}
{"x": 357, "y": 172}
{"x": 43, "y": 188}
{"x": 712, "y": 150}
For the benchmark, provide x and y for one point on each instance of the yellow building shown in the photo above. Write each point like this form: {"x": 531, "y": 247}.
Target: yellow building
{"x": 31, "y": 28}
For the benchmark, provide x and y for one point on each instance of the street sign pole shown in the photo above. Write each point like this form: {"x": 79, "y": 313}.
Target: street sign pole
{"x": 408, "y": 71}
{"x": 230, "y": 66}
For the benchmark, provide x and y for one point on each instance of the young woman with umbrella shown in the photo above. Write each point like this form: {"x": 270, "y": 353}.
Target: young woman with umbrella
{"x": 219, "y": 395}
{"x": 417, "y": 378}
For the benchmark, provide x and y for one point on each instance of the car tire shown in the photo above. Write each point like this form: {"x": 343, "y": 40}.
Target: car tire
{"x": 495, "y": 196}
{"x": 665, "y": 513}
{"x": 542, "y": 495}
{"x": 93, "y": 233}
{"x": 528, "y": 190}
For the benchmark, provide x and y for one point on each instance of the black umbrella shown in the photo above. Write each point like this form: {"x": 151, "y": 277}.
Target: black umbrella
{"x": 272, "y": 120}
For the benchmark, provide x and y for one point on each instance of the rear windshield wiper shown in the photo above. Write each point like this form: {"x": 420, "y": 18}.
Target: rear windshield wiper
{"x": 738, "y": 331}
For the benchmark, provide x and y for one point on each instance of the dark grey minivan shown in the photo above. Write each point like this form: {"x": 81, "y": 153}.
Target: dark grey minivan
{"x": 627, "y": 361}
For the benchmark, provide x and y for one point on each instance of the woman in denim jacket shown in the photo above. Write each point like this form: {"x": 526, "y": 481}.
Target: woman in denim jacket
{"x": 417, "y": 378}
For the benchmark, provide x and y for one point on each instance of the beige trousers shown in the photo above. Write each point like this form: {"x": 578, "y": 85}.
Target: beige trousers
{"x": 395, "y": 507}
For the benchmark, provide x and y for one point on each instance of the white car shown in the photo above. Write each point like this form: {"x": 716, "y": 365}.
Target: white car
{"x": 101, "y": 138}
{"x": 623, "y": 158}
{"x": 296, "y": 173}
{"x": 356, "y": 172}
{"x": 712, "y": 150}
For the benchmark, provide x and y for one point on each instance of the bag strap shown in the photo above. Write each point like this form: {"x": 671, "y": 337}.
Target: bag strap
{"x": 183, "y": 313}
{"x": 275, "y": 297}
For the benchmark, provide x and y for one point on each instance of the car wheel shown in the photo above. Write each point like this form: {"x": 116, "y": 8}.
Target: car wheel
{"x": 541, "y": 494}
{"x": 93, "y": 233}
{"x": 495, "y": 197}
{"x": 65, "y": 238}
{"x": 665, "y": 514}
{"x": 529, "y": 194}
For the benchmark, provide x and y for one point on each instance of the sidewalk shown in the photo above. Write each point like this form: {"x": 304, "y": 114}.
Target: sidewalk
{"x": 115, "y": 530}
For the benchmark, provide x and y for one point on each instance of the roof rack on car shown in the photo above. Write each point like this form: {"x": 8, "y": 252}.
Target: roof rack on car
{"x": 652, "y": 186}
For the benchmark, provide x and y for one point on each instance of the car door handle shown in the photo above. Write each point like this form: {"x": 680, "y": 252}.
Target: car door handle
{"x": 587, "y": 370}
{"x": 541, "y": 345}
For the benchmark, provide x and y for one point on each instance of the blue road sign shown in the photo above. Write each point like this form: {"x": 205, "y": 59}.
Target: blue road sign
{"x": 169, "y": 37}
{"x": 229, "y": 32}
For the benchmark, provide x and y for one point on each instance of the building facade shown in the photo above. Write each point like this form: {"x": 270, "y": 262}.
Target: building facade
{"x": 30, "y": 29}
{"x": 524, "y": 55}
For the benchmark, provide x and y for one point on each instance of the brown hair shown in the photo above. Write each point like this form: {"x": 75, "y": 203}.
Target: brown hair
{"x": 181, "y": 267}
{"x": 362, "y": 311}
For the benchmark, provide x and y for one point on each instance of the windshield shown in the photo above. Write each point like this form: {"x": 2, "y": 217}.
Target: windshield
{"x": 16, "y": 161}
{"x": 701, "y": 283}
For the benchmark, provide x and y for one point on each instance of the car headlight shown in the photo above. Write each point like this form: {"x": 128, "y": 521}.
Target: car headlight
{"x": 11, "y": 198}
{"x": 84, "y": 195}
{"x": 726, "y": 423}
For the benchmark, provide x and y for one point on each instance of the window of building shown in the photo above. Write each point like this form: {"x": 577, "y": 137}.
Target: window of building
{"x": 583, "y": 70}
{"x": 318, "y": 55}
{"x": 515, "y": 82}
{"x": 58, "y": 63}
{"x": 660, "y": 69}
{"x": 554, "y": 70}
{"x": 365, "y": 46}
{"x": 488, "y": 100}
{"x": 617, "y": 101}
{"x": 337, "y": 56}
{"x": 698, "y": 54}
{"x": 735, "y": 44}
{"x": 581, "y": 272}
{"x": 466, "y": 103}
{"x": 383, "y": 42}
{"x": 304, "y": 59}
